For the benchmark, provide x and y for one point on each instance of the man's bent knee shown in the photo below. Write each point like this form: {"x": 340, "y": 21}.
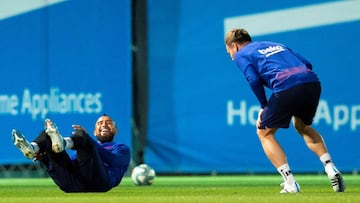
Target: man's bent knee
{"x": 299, "y": 125}
{"x": 265, "y": 132}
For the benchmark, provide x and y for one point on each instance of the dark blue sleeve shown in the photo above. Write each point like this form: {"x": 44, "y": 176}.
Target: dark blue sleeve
{"x": 256, "y": 84}
{"x": 116, "y": 161}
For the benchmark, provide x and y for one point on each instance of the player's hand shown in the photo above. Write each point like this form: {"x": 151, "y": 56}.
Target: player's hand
{"x": 258, "y": 121}
{"x": 78, "y": 127}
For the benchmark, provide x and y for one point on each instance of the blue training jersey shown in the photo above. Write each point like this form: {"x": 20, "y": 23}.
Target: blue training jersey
{"x": 273, "y": 65}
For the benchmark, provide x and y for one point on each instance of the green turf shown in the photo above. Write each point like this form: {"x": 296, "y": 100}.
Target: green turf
{"x": 194, "y": 189}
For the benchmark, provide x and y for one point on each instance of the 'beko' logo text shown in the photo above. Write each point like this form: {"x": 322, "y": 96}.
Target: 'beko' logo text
{"x": 271, "y": 50}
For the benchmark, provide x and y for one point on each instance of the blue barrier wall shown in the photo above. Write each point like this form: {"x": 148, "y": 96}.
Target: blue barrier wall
{"x": 69, "y": 61}
{"x": 202, "y": 113}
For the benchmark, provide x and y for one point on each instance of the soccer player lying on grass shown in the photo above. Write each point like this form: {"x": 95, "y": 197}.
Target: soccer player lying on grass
{"x": 296, "y": 92}
{"x": 97, "y": 166}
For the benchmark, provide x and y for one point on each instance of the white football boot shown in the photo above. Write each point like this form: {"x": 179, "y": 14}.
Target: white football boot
{"x": 57, "y": 141}
{"x": 24, "y": 146}
{"x": 335, "y": 178}
{"x": 293, "y": 188}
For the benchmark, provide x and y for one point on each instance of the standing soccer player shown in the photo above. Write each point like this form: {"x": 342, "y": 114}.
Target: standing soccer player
{"x": 96, "y": 166}
{"x": 296, "y": 93}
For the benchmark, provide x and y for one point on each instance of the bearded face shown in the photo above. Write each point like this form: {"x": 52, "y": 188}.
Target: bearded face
{"x": 105, "y": 129}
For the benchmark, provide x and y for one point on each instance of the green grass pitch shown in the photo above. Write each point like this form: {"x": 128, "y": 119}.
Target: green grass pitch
{"x": 192, "y": 189}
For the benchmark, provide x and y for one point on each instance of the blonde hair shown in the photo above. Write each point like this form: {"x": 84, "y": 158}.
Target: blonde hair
{"x": 238, "y": 36}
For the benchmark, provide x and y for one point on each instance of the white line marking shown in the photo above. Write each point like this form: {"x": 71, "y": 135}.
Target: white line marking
{"x": 296, "y": 18}
{"x": 10, "y": 8}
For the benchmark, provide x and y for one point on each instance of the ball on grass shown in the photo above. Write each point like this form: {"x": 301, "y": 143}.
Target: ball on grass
{"x": 143, "y": 174}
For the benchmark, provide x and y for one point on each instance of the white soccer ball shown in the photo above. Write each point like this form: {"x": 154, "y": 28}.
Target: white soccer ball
{"x": 143, "y": 174}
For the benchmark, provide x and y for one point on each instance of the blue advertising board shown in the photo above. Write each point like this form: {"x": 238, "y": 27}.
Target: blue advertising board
{"x": 202, "y": 112}
{"x": 65, "y": 60}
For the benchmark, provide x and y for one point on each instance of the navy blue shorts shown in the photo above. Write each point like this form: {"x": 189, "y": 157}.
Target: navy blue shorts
{"x": 300, "y": 101}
